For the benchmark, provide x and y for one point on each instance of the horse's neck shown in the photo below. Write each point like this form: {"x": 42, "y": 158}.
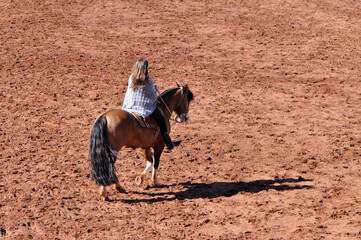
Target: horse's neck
{"x": 170, "y": 102}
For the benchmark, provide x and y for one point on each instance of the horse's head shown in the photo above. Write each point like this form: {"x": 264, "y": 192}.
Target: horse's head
{"x": 182, "y": 108}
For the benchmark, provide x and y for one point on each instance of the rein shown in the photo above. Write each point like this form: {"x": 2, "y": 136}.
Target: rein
{"x": 165, "y": 104}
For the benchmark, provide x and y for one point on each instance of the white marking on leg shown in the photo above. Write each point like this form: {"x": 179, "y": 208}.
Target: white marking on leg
{"x": 103, "y": 193}
{"x": 147, "y": 168}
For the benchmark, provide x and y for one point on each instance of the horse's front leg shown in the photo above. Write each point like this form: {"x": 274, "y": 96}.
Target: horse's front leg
{"x": 157, "y": 152}
{"x": 148, "y": 157}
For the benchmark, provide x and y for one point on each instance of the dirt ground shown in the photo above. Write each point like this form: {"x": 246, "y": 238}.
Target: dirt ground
{"x": 273, "y": 147}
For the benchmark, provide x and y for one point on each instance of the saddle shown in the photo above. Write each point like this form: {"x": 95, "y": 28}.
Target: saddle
{"x": 147, "y": 122}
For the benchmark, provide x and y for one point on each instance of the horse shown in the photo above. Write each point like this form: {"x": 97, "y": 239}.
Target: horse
{"x": 115, "y": 129}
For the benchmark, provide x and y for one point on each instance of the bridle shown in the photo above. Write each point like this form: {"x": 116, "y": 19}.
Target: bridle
{"x": 184, "y": 116}
{"x": 184, "y": 99}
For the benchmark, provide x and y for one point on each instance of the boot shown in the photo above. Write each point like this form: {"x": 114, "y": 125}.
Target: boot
{"x": 168, "y": 141}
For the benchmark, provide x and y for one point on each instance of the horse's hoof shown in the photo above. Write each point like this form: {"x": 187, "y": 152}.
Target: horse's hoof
{"x": 154, "y": 185}
{"x": 120, "y": 189}
{"x": 138, "y": 180}
{"x": 104, "y": 198}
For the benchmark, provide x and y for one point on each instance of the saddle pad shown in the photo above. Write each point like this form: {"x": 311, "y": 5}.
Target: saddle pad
{"x": 143, "y": 122}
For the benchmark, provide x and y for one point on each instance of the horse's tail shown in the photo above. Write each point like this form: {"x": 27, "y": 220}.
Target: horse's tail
{"x": 101, "y": 156}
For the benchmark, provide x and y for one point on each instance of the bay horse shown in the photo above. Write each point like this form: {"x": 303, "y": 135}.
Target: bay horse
{"x": 115, "y": 129}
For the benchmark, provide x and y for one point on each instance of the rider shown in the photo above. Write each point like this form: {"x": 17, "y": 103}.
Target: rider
{"x": 141, "y": 98}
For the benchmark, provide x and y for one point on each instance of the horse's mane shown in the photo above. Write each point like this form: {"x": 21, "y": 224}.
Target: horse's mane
{"x": 168, "y": 91}
{"x": 171, "y": 90}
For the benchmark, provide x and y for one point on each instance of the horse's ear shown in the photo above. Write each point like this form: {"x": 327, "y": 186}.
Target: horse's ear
{"x": 177, "y": 84}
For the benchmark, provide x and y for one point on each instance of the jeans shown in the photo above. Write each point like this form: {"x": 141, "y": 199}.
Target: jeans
{"x": 159, "y": 118}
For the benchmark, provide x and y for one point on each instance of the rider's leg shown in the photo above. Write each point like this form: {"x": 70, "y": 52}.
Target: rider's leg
{"x": 159, "y": 118}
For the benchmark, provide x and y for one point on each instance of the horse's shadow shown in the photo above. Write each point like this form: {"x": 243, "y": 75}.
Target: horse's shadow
{"x": 219, "y": 189}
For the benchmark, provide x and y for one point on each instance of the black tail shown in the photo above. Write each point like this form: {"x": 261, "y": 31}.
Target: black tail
{"x": 101, "y": 156}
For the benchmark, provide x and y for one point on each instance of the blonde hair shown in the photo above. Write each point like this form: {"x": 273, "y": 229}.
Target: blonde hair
{"x": 140, "y": 73}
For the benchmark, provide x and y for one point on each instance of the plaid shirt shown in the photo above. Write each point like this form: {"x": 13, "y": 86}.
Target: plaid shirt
{"x": 141, "y": 100}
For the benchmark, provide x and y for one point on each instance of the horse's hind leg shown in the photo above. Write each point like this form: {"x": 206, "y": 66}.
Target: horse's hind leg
{"x": 148, "y": 156}
{"x": 118, "y": 188}
{"x": 103, "y": 193}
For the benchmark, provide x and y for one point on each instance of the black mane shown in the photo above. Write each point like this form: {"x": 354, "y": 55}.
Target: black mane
{"x": 171, "y": 90}
{"x": 168, "y": 91}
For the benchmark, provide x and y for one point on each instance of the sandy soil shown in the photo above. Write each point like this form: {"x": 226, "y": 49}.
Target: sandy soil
{"x": 273, "y": 147}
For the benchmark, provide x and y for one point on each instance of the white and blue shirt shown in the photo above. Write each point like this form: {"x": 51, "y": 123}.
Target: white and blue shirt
{"x": 141, "y": 100}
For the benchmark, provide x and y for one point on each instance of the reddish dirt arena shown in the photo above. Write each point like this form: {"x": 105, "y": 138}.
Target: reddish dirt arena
{"x": 273, "y": 147}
